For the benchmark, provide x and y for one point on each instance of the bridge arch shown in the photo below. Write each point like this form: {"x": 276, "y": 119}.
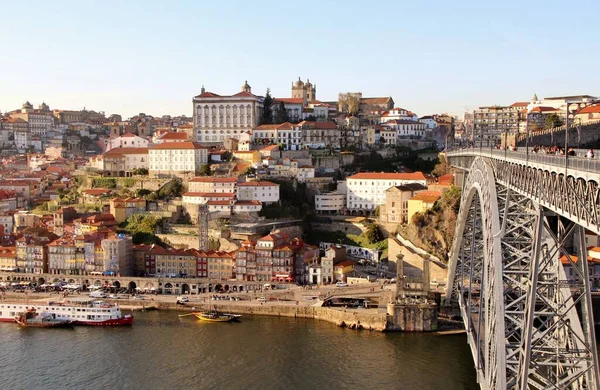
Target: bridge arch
{"x": 508, "y": 281}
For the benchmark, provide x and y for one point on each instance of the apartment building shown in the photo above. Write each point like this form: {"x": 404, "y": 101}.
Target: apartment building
{"x": 366, "y": 190}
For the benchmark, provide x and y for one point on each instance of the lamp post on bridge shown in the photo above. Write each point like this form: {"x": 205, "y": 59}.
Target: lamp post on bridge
{"x": 572, "y": 110}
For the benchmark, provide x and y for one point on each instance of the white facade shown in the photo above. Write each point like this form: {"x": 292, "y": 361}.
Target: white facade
{"x": 406, "y": 128}
{"x": 247, "y": 206}
{"x": 263, "y": 191}
{"x": 389, "y": 136}
{"x": 202, "y": 197}
{"x": 366, "y": 190}
{"x": 127, "y": 140}
{"x": 217, "y": 118}
{"x": 212, "y": 184}
{"x": 175, "y": 158}
{"x": 429, "y": 122}
{"x": 330, "y": 202}
{"x": 398, "y": 113}
{"x": 123, "y": 159}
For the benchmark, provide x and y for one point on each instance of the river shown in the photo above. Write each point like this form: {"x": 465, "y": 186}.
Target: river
{"x": 163, "y": 351}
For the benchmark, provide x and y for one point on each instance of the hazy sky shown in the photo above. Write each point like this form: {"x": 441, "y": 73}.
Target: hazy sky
{"x": 431, "y": 56}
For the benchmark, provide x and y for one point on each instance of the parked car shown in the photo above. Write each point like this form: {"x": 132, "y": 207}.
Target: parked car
{"x": 341, "y": 284}
{"x": 113, "y": 296}
{"x": 139, "y": 298}
{"x": 183, "y": 299}
{"x": 262, "y": 299}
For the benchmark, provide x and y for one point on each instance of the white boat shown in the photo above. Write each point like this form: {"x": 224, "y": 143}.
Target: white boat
{"x": 93, "y": 313}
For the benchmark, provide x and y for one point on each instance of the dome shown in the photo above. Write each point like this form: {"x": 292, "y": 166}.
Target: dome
{"x": 246, "y": 87}
{"x": 308, "y": 84}
{"x": 299, "y": 83}
{"x": 44, "y": 106}
{"x": 27, "y": 105}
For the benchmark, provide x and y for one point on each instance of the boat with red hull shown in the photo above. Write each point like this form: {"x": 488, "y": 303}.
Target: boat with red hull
{"x": 90, "y": 313}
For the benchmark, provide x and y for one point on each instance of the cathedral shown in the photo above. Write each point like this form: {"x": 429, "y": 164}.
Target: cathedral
{"x": 305, "y": 91}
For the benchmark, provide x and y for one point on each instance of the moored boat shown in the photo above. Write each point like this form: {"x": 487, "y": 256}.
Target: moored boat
{"x": 213, "y": 316}
{"x": 31, "y": 318}
{"x": 90, "y": 313}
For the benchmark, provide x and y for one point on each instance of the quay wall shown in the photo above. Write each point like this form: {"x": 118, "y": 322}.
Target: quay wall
{"x": 354, "y": 319}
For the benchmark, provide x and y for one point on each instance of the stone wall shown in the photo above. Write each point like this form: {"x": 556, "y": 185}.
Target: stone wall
{"x": 344, "y": 227}
{"x": 556, "y": 136}
{"x": 413, "y": 261}
{"x": 412, "y": 318}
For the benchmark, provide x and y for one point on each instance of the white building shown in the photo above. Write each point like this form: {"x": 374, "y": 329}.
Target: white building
{"x": 212, "y": 184}
{"x": 247, "y": 206}
{"x": 263, "y": 191}
{"x": 330, "y": 203}
{"x": 172, "y": 136}
{"x": 429, "y": 121}
{"x": 118, "y": 256}
{"x": 127, "y": 140}
{"x": 366, "y": 190}
{"x": 406, "y": 128}
{"x": 177, "y": 158}
{"x": 123, "y": 160}
{"x": 398, "y": 113}
{"x": 217, "y": 117}
{"x": 199, "y": 198}
{"x": 286, "y": 134}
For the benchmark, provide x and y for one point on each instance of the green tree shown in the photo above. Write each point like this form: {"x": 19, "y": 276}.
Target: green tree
{"x": 267, "y": 114}
{"x": 170, "y": 190}
{"x": 282, "y": 114}
{"x": 143, "y": 192}
{"x": 373, "y": 234}
{"x": 205, "y": 170}
{"x": 377, "y": 211}
{"x": 553, "y": 120}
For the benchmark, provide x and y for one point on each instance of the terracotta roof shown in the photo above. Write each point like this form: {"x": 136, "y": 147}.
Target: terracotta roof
{"x": 375, "y": 100}
{"x": 247, "y": 203}
{"x": 207, "y": 95}
{"x": 520, "y": 104}
{"x": 544, "y": 109}
{"x": 128, "y": 135}
{"x": 178, "y": 145}
{"x": 122, "y": 151}
{"x": 344, "y": 263}
{"x": 591, "y": 110}
{"x": 289, "y": 100}
{"x": 270, "y": 148}
{"x": 388, "y": 176}
{"x": 258, "y": 184}
{"x": 427, "y": 196}
{"x": 174, "y": 136}
{"x": 97, "y": 191}
{"x": 244, "y": 93}
{"x": 210, "y": 179}
{"x": 218, "y": 202}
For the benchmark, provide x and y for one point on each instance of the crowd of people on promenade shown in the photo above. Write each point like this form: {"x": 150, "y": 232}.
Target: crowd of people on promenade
{"x": 550, "y": 150}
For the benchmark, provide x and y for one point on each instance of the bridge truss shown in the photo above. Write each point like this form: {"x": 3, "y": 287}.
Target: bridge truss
{"x": 507, "y": 278}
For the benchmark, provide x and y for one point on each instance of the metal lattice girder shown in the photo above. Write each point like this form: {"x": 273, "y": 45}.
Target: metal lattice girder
{"x": 506, "y": 276}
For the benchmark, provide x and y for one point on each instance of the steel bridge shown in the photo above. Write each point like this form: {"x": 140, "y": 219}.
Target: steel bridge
{"x": 528, "y": 326}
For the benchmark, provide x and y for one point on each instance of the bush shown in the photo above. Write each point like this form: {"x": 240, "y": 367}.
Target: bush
{"x": 104, "y": 182}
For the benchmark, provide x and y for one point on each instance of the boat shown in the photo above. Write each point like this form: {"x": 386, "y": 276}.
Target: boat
{"x": 213, "y": 316}
{"x": 89, "y": 313}
{"x": 31, "y": 318}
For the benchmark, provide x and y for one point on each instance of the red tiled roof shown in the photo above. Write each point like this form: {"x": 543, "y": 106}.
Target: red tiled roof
{"x": 388, "y": 176}
{"x": 591, "y": 110}
{"x": 520, "y": 104}
{"x": 218, "y": 202}
{"x": 427, "y": 196}
{"x": 543, "y": 109}
{"x": 128, "y": 135}
{"x": 179, "y": 145}
{"x": 97, "y": 191}
{"x": 318, "y": 125}
{"x": 258, "y": 184}
{"x": 174, "y": 136}
{"x": 289, "y": 100}
{"x": 270, "y": 148}
{"x": 244, "y": 94}
{"x": 207, "y": 95}
{"x": 247, "y": 203}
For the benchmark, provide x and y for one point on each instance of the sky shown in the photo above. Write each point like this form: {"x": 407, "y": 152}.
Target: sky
{"x": 128, "y": 57}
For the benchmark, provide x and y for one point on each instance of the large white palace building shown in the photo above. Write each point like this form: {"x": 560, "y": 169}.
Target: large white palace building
{"x": 217, "y": 117}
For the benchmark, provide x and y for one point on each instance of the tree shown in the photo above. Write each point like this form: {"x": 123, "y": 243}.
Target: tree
{"x": 282, "y": 114}
{"x": 170, "y": 190}
{"x": 373, "y": 234}
{"x": 350, "y": 103}
{"x": 267, "y": 114}
{"x": 553, "y": 120}
{"x": 205, "y": 170}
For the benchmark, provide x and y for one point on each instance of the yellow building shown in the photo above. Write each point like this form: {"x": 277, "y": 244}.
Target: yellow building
{"x": 342, "y": 270}
{"x": 421, "y": 202}
{"x": 220, "y": 265}
{"x": 251, "y": 156}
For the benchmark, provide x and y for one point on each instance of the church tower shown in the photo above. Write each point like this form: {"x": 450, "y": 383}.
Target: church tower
{"x": 299, "y": 91}
{"x": 246, "y": 87}
{"x": 311, "y": 91}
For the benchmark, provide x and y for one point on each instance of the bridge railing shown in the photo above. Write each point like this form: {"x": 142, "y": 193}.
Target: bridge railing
{"x": 577, "y": 162}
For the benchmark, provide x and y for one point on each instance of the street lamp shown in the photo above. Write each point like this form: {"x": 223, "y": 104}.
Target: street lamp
{"x": 573, "y": 109}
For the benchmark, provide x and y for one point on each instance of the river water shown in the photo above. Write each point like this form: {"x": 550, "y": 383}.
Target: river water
{"x": 163, "y": 351}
